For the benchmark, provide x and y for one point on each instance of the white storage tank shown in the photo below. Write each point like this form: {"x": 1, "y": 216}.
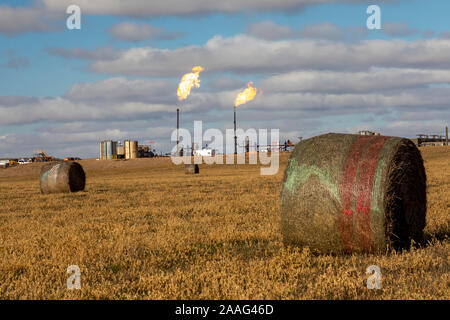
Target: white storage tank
{"x": 131, "y": 149}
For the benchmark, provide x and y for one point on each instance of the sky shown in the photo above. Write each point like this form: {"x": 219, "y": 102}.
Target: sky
{"x": 319, "y": 67}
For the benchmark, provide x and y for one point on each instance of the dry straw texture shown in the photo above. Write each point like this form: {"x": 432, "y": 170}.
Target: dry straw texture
{"x": 59, "y": 177}
{"x": 143, "y": 229}
{"x": 351, "y": 193}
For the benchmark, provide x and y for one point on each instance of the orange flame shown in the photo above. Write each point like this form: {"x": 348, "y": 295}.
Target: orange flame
{"x": 188, "y": 81}
{"x": 247, "y": 95}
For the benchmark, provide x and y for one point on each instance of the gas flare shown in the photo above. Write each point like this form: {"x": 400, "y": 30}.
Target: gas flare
{"x": 247, "y": 95}
{"x": 188, "y": 81}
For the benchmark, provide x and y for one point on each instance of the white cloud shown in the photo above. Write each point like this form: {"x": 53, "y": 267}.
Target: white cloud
{"x": 14, "y": 21}
{"x": 269, "y": 30}
{"x": 412, "y": 128}
{"x": 133, "y": 32}
{"x": 226, "y": 83}
{"x": 120, "y": 89}
{"x": 244, "y": 54}
{"x": 331, "y": 31}
{"x": 61, "y": 110}
{"x": 90, "y": 102}
{"x": 445, "y": 35}
{"x": 375, "y": 79}
{"x": 316, "y": 104}
{"x": 145, "y": 8}
{"x": 399, "y": 29}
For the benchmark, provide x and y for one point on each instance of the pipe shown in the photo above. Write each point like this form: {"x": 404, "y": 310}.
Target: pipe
{"x": 446, "y": 136}
{"x": 235, "y": 137}
{"x": 178, "y": 128}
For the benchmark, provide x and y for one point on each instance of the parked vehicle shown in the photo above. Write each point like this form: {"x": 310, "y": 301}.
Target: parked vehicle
{"x": 24, "y": 161}
{"x": 4, "y": 164}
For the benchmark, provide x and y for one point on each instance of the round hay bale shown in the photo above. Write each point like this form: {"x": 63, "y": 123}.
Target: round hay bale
{"x": 62, "y": 177}
{"x": 346, "y": 193}
{"x": 191, "y": 169}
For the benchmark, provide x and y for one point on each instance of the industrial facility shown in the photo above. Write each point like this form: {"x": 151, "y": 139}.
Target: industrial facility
{"x": 424, "y": 140}
{"x": 130, "y": 149}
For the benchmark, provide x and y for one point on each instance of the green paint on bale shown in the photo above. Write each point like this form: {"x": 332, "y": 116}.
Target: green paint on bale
{"x": 300, "y": 173}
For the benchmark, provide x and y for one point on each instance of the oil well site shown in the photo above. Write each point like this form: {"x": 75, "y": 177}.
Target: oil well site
{"x": 226, "y": 151}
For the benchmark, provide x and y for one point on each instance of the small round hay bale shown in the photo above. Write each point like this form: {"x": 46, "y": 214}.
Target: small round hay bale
{"x": 346, "y": 193}
{"x": 59, "y": 177}
{"x": 191, "y": 169}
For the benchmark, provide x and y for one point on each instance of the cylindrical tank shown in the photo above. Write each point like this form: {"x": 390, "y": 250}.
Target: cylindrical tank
{"x": 345, "y": 193}
{"x": 104, "y": 150}
{"x": 120, "y": 150}
{"x": 65, "y": 176}
{"x": 113, "y": 149}
{"x": 126, "y": 145}
{"x": 131, "y": 149}
{"x": 108, "y": 150}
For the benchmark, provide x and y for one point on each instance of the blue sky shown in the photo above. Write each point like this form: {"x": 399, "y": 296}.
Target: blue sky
{"x": 30, "y": 69}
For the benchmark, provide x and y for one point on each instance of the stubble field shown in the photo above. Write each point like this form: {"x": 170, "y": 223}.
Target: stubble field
{"x": 143, "y": 229}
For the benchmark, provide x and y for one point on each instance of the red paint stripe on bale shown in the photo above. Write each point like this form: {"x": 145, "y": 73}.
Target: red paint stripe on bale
{"x": 367, "y": 166}
{"x": 346, "y": 188}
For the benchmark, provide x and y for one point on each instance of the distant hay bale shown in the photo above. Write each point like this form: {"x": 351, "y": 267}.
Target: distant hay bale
{"x": 346, "y": 193}
{"x": 62, "y": 177}
{"x": 191, "y": 169}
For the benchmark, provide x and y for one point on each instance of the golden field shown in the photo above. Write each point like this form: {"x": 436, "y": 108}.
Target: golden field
{"x": 143, "y": 229}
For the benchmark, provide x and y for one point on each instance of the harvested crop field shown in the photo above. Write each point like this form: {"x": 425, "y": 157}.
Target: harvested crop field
{"x": 143, "y": 229}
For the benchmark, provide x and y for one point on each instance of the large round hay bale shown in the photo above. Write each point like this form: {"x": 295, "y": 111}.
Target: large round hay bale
{"x": 347, "y": 193}
{"x": 62, "y": 177}
{"x": 191, "y": 169}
